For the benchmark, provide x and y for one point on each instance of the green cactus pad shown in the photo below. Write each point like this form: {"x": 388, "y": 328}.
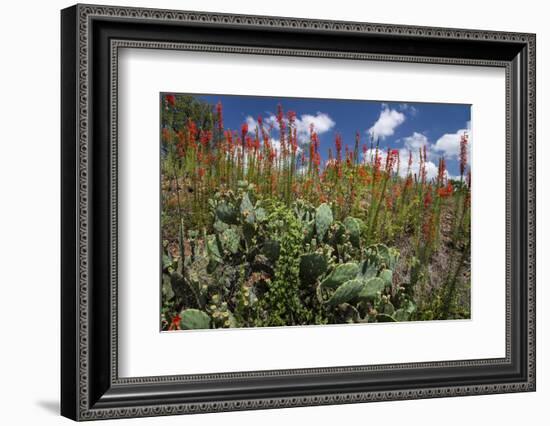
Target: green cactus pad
{"x": 227, "y": 213}
{"x": 372, "y": 287}
{"x": 247, "y": 209}
{"x": 353, "y": 228}
{"x": 401, "y": 315}
{"x": 388, "y": 309}
{"x": 193, "y": 319}
{"x": 312, "y": 266}
{"x": 368, "y": 270}
{"x": 387, "y": 276}
{"x": 340, "y": 275}
{"x": 230, "y": 240}
{"x": 323, "y": 220}
{"x": 384, "y": 318}
{"x": 338, "y": 233}
{"x": 213, "y": 249}
{"x": 346, "y": 292}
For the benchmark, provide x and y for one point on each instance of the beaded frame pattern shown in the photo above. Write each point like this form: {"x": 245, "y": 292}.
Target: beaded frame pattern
{"x": 87, "y": 12}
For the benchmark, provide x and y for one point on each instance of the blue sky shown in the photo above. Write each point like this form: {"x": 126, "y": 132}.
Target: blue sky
{"x": 398, "y": 125}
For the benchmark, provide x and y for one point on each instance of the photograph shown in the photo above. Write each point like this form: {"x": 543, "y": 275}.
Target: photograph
{"x": 267, "y": 208}
{"x": 283, "y": 211}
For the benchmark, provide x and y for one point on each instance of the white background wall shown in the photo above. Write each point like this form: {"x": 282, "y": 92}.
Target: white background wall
{"x": 29, "y": 211}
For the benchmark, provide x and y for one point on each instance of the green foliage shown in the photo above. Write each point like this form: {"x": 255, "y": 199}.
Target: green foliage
{"x": 371, "y": 288}
{"x": 347, "y": 292}
{"x": 312, "y": 266}
{"x": 323, "y": 220}
{"x": 193, "y": 319}
{"x": 353, "y": 227}
{"x": 340, "y": 275}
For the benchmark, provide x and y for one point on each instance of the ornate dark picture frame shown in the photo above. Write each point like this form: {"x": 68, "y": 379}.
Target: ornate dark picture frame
{"x": 91, "y": 37}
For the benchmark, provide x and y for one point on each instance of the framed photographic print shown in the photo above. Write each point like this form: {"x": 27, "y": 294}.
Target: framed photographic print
{"x": 263, "y": 212}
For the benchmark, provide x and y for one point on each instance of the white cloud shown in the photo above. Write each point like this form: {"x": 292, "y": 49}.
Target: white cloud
{"x": 387, "y": 122}
{"x": 405, "y": 107}
{"x": 448, "y": 145}
{"x": 252, "y": 124}
{"x": 321, "y": 122}
{"x": 415, "y": 141}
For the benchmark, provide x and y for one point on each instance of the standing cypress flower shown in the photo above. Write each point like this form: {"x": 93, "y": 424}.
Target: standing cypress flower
{"x": 377, "y": 164}
{"x": 391, "y": 158}
{"x": 291, "y": 116}
{"x": 398, "y": 156}
{"x": 244, "y": 130}
{"x": 463, "y": 154}
{"x": 441, "y": 172}
{"x": 356, "y": 150}
{"x": 338, "y": 145}
{"x": 219, "y": 113}
{"x": 170, "y": 100}
{"x": 423, "y": 156}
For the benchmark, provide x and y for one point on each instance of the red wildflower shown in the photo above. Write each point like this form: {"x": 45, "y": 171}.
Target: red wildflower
{"x": 249, "y": 143}
{"x": 445, "y": 191}
{"x": 428, "y": 228}
{"x": 244, "y": 130}
{"x": 428, "y": 199}
{"x": 175, "y": 323}
{"x": 192, "y": 131}
{"x": 408, "y": 182}
{"x": 280, "y": 113}
{"x": 291, "y": 116}
{"x": 294, "y": 141}
{"x": 441, "y": 172}
{"x": 170, "y": 100}
{"x": 377, "y": 164}
{"x": 166, "y": 135}
{"x": 338, "y": 144}
{"x": 219, "y": 113}
{"x": 205, "y": 137}
{"x": 463, "y": 153}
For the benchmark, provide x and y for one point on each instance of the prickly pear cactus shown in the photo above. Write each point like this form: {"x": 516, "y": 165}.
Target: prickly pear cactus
{"x": 230, "y": 240}
{"x": 341, "y": 274}
{"x": 227, "y": 213}
{"x": 387, "y": 276}
{"x": 353, "y": 228}
{"x": 371, "y": 288}
{"x": 312, "y": 266}
{"x": 384, "y": 318}
{"x": 346, "y": 292}
{"x": 194, "y": 319}
{"x": 323, "y": 220}
{"x": 247, "y": 209}
{"x": 401, "y": 315}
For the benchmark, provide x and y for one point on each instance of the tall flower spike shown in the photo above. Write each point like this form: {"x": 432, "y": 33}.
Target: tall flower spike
{"x": 463, "y": 154}
{"x": 219, "y": 113}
